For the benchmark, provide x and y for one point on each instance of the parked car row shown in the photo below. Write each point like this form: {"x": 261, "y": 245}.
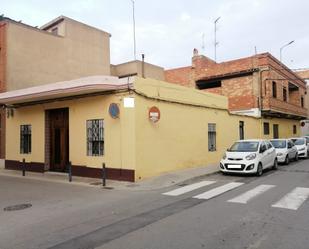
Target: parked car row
{"x": 254, "y": 155}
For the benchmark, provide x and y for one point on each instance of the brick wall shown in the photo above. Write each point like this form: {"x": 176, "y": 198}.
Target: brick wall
{"x": 180, "y": 76}
{"x": 243, "y": 91}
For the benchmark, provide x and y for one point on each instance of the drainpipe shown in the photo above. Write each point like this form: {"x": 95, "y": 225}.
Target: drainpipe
{"x": 261, "y": 97}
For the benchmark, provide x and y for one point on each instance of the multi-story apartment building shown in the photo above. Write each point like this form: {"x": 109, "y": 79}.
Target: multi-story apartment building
{"x": 258, "y": 85}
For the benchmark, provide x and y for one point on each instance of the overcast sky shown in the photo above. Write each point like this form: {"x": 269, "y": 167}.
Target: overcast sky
{"x": 168, "y": 30}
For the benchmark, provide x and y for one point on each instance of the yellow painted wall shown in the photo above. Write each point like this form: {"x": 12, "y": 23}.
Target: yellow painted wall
{"x": 285, "y": 127}
{"x": 180, "y": 138}
{"x": 25, "y": 116}
{"x": 119, "y": 134}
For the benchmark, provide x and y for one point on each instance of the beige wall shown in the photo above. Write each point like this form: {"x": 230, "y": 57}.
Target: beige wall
{"x": 119, "y": 134}
{"x": 135, "y": 67}
{"x": 178, "y": 140}
{"x": 36, "y": 57}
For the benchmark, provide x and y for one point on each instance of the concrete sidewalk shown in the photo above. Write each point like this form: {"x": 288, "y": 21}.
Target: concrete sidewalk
{"x": 153, "y": 183}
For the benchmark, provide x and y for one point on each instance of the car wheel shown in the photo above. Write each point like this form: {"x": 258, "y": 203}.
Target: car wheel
{"x": 259, "y": 170}
{"x": 275, "y": 165}
{"x": 296, "y": 157}
{"x": 287, "y": 160}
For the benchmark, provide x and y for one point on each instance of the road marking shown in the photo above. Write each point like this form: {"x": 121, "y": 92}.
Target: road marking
{"x": 294, "y": 199}
{"x": 247, "y": 196}
{"x": 189, "y": 188}
{"x": 219, "y": 190}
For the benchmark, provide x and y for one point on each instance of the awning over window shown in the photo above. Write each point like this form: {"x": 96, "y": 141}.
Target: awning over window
{"x": 82, "y": 86}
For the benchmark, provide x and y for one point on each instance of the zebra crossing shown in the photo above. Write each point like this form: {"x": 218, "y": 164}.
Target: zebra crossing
{"x": 292, "y": 200}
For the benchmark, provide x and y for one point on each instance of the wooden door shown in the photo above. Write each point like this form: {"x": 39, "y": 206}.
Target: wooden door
{"x": 276, "y": 130}
{"x": 59, "y": 139}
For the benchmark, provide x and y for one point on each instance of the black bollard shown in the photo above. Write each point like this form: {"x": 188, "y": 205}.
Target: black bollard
{"x": 70, "y": 171}
{"x": 103, "y": 175}
{"x": 24, "y": 167}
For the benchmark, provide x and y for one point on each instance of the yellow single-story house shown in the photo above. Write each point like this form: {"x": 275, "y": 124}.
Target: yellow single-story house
{"x": 138, "y": 127}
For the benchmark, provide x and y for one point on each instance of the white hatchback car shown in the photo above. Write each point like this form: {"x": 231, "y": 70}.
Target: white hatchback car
{"x": 248, "y": 157}
{"x": 285, "y": 149}
{"x": 301, "y": 145}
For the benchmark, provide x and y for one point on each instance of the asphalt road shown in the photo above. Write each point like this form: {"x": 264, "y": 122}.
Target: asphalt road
{"x": 213, "y": 212}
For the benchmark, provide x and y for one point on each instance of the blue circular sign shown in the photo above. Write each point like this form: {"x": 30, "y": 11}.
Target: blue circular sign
{"x": 114, "y": 110}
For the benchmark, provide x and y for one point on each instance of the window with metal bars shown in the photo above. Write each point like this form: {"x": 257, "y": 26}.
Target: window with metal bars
{"x": 241, "y": 130}
{"x": 211, "y": 137}
{"x": 95, "y": 137}
{"x": 266, "y": 128}
{"x": 25, "y": 139}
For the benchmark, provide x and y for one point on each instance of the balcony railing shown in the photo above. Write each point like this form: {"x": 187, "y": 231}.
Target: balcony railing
{"x": 281, "y": 107}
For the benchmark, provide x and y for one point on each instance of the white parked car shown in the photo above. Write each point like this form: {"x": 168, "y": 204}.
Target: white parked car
{"x": 248, "y": 157}
{"x": 285, "y": 149}
{"x": 301, "y": 145}
{"x": 307, "y": 141}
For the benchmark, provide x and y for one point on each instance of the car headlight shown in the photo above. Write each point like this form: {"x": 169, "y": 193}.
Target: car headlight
{"x": 251, "y": 156}
{"x": 302, "y": 149}
{"x": 224, "y": 156}
{"x": 279, "y": 154}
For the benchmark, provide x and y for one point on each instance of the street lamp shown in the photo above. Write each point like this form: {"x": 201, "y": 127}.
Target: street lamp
{"x": 283, "y": 48}
{"x": 134, "y": 38}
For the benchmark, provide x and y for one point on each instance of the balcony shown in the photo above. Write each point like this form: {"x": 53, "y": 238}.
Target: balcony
{"x": 278, "y": 108}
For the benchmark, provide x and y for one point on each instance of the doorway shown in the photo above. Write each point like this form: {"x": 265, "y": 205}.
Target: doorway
{"x": 276, "y": 131}
{"x": 58, "y": 139}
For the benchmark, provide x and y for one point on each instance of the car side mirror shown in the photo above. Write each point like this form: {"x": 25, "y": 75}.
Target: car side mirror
{"x": 262, "y": 150}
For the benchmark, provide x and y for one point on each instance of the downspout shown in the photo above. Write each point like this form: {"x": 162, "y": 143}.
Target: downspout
{"x": 261, "y": 98}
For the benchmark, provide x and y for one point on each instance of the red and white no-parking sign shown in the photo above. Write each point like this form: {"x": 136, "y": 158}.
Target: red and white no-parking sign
{"x": 154, "y": 114}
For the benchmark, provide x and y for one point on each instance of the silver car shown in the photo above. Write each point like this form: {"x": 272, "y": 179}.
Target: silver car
{"x": 285, "y": 149}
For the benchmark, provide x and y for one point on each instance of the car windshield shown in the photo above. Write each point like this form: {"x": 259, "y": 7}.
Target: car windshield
{"x": 298, "y": 141}
{"x": 278, "y": 144}
{"x": 246, "y": 146}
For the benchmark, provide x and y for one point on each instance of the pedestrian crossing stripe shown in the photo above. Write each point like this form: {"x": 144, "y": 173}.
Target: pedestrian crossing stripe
{"x": 189, "y": 188}
{"x": 218, "y": 191}
{"x": 294, "y": 199}
{"x": 251, "y": 194}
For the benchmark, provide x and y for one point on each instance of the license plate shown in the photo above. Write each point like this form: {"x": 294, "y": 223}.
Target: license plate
{"x": 234, "y": 166}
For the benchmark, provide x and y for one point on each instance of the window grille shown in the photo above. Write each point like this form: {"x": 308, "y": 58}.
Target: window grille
{"x": 241, "y": 130}
{"x": 95, "y": 137}
{"x": 211, "y": 137}
{"x": 25, "y": 139}
{"x": 266, "y": 128}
